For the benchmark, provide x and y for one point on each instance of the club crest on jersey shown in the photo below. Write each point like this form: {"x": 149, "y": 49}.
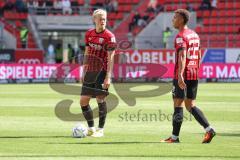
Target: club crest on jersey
{"x": 179, "y": 40}
{"x": 101, "y": 40}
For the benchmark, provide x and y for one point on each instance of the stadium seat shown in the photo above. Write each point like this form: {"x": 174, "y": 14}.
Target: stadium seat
{"x": 214, "y": 13}
{"x": 81, "y": 2}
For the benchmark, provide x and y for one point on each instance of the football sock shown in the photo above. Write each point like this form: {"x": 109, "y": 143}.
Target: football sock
{"x": 88, "y": 114}
{"x": 199, "y": 116}
{"x": 177, "y": 120}
{"x": 174, "y": 137}
{"x": 102, "y": 114}
{"x": 208, "y": 128}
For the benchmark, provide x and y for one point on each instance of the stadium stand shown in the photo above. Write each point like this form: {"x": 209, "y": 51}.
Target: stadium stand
{"x": 218, "y": 27}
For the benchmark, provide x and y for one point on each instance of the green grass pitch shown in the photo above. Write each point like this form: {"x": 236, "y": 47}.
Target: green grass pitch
{"x": 29, "y": 128}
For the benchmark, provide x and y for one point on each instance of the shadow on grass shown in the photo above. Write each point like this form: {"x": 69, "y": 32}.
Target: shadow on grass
{"x": 225, "y": 134}
{"x": 99, "y": 143}
{"x": 229, "y": 134}
{"x": 20, "y": 137}
{"x": 115, "y": 156}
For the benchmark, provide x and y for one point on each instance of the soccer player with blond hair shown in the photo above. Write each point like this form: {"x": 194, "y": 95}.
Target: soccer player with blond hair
{"x": 97, "y": 69}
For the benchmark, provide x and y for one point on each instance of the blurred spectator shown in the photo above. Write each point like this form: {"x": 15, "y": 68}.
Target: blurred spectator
{"x": 21, "y": 6}
{"x": 114, "y": 6}
{"x": 50, "y": 58}
{"x": 66, "y": 6}
{"x": 41, "y": 4}
{"x": 152, "y": 5}
{"x": 59, "y": 53}
{"x": 1, "y": 7}
{"x": 205, "y": 5}
{"x": 106, "y": 5}
{"x": 32, "y": 5}
{"x": 142, "y": 22}
{"x": 57, "y": 6}
{"x": 145, "y": 17}
{"x": 70, "y": 54}
{"x": 9, "y": 5}
{"x": 49, "y": 4}
{"x": 166, "y": 34}
{"x": 24, "y": 36}
{"x": 159, "y": 8}
{"x": 189, "y": 7}
{"x": 98, "y": 4}
{"x": 135, "y": 21}
{"x": 214, "y": 4}
{"x": 80, "y": 54}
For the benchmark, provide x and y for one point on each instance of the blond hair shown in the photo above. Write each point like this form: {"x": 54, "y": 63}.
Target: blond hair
{"x": 99, "y": 12}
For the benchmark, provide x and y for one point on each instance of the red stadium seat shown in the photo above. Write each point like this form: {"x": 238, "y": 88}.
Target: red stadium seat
{"x": 119, "y": 16}
{"x": 237, "y": 21}
{"x": 214, "y": 13}
{"x": 230, "y": 13}
{"x": 221, "y": 5}
{"x": 206, "y": 21}
{"x": 81, "y": 2}
{"x": 222, "y": 21}
{"x": 214, "y": 21}
{"x": 237, "y": 44}
{"x": 198, "y": 29}
{"x": 213, "y": 29}
{"x": 206, "y": 13}
{"x": 237, "y": 5}
{"x": 205, "y": 30}
{"x": 199, "y": 14}
{"x": 229, "y": 21}
{"x": 221, "y": 29}
{"x": 237, "y": 13}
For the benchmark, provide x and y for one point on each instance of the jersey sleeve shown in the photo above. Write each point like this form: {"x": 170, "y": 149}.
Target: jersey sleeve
{"x": 111, "y": 43}
{"x": 180, "y": 43}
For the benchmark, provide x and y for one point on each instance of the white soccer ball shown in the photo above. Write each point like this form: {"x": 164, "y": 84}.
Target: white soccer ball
{"x": 79, "y": 131}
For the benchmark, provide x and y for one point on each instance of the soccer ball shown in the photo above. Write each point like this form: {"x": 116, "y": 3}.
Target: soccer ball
{"x": 79, "y": 131}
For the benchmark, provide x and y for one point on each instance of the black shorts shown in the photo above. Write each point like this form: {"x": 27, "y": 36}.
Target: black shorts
{"x": 92, "y": 84}
{"x": 190, "y": 92}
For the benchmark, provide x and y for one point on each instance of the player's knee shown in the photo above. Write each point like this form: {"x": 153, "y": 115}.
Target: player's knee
{"x": 178, "y": 102}
{"x": 84, "y": 101}
{"x": 189, "y": 104}
{"x": 100, "y": 99}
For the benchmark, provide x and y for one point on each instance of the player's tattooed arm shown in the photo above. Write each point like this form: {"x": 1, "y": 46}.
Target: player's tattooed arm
{"x": 110, "y": 63}
{"x": 181, "y": 66}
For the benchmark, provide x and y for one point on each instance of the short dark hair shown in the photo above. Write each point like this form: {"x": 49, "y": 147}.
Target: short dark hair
{"x": 184, "y": 13}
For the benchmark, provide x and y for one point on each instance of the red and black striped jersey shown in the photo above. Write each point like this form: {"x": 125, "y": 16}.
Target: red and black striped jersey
{"x": 98, "y": 45}
{"x": 188, "y": 40}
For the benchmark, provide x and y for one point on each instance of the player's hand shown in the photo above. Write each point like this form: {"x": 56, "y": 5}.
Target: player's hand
{"x": 106, "y": 83}
{"x": 181, "y": 82}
